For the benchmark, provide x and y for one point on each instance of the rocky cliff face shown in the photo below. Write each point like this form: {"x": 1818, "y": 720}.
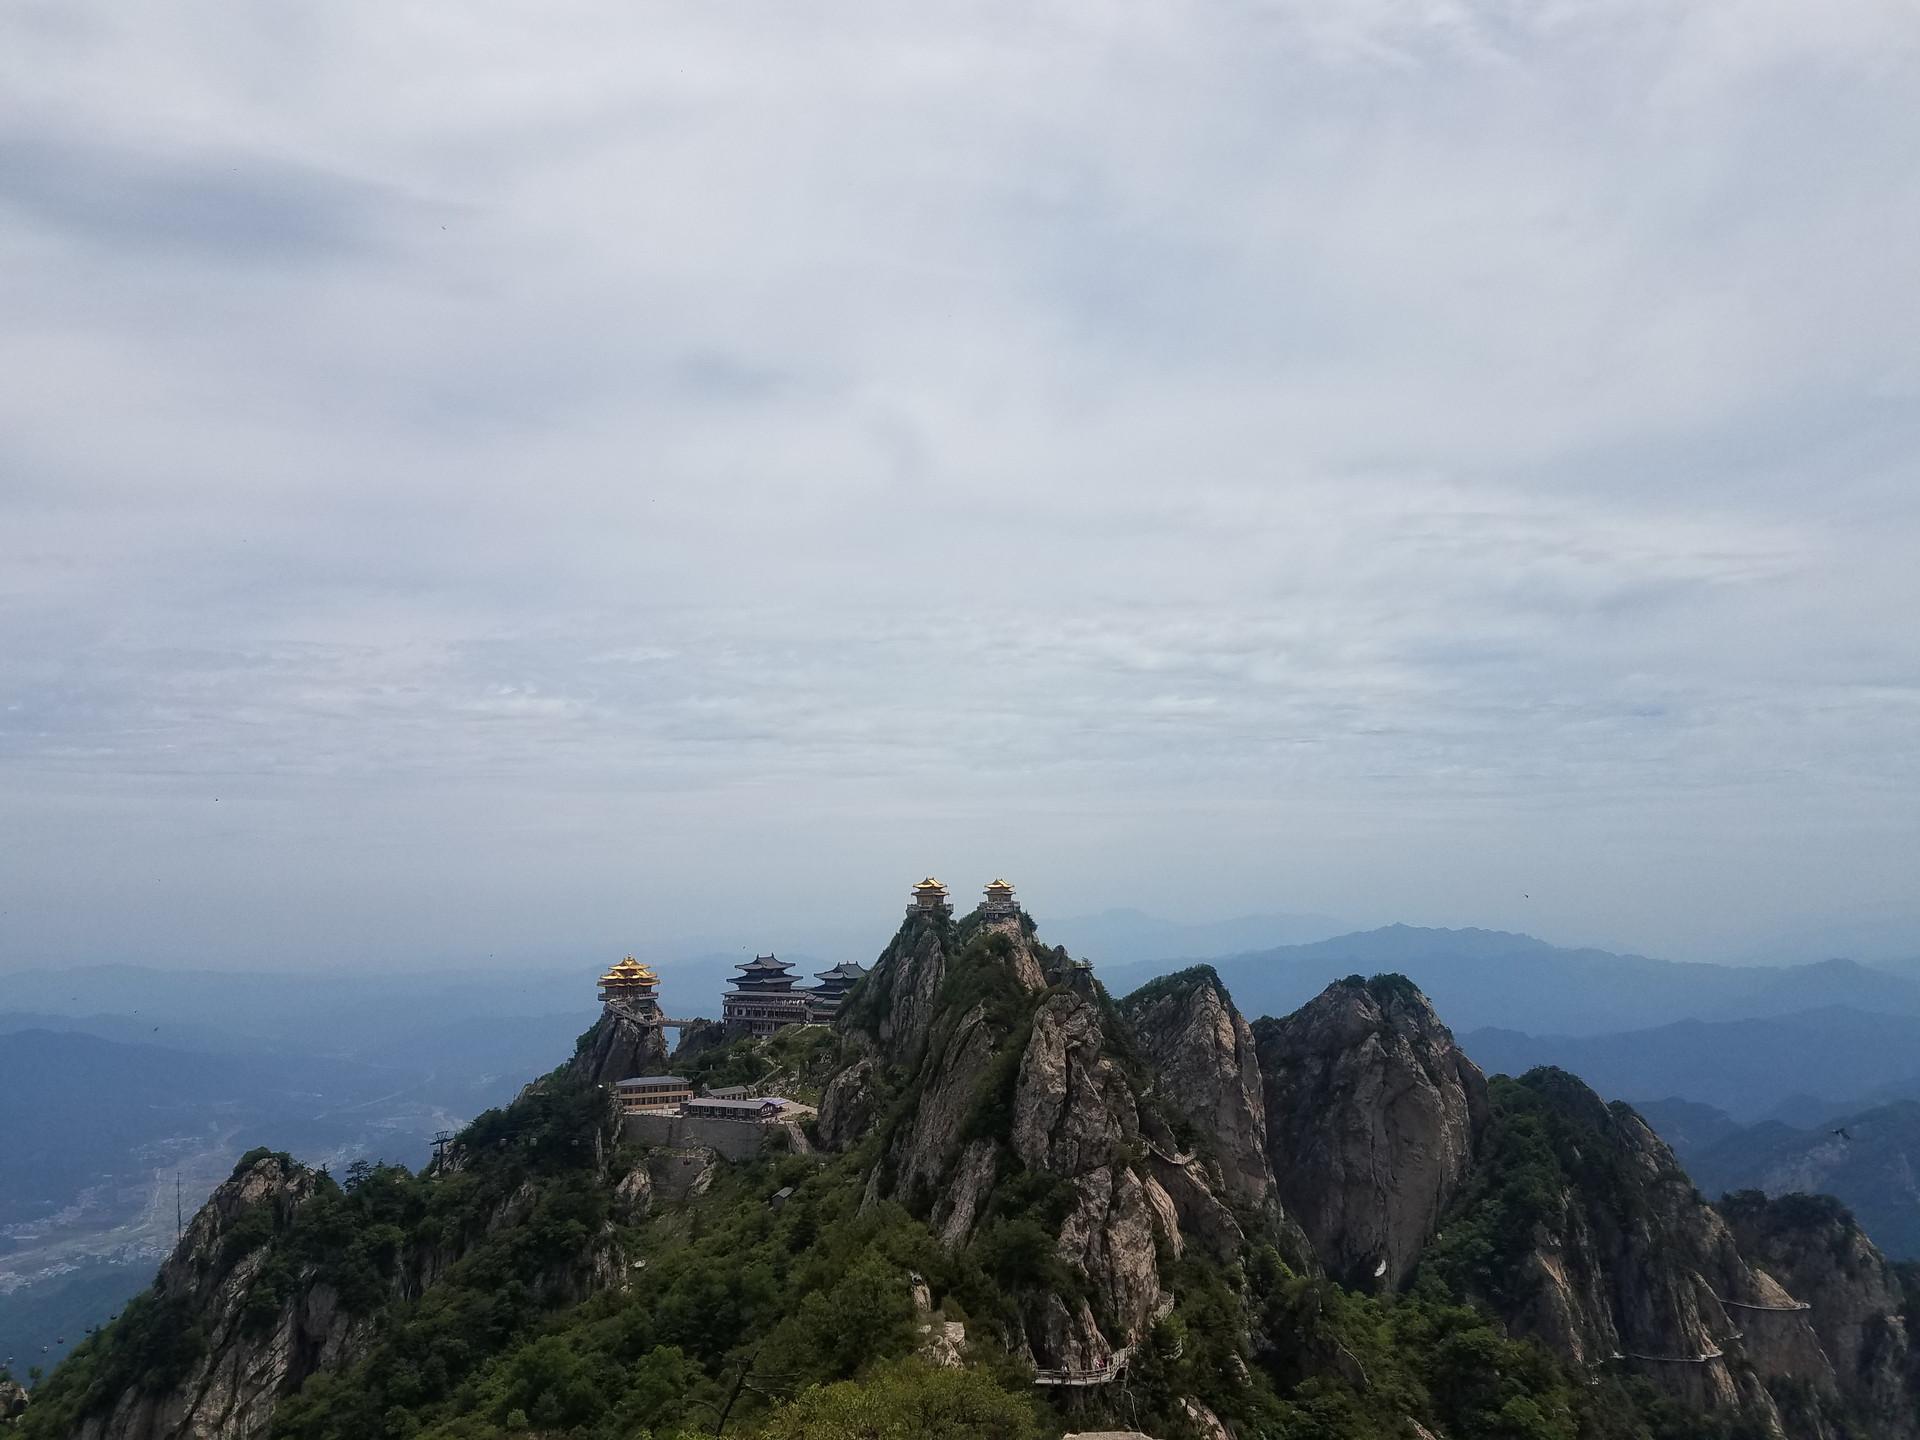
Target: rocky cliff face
{"x": 1613, "y": 1261}
{"x": 13, "y": 1401}
{"x": 252, "y": 1354}
{"x": 282, "y": 1273}
{"x": 1373, "y": 1115}
{"x": 619, "y": 1046}
{"x": 1207, "y": 1074}
{"x": 1582, "y": 1230}
{"x": 1806, "y": 1249}
{"x": 998, "y": 1068}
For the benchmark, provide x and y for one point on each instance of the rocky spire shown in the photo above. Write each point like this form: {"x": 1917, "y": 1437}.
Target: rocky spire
{"x": 1372, "y": 1115}
{"x": 1008, "y": 1100}
{"x": 619, "y": 1045}
{"x": 1207, "y": 1074}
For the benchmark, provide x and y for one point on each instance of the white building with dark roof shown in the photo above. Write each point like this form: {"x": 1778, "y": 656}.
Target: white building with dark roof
{"x": 642, "y": 1094}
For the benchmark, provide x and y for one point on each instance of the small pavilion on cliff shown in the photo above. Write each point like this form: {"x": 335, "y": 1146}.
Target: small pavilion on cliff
{"x": 633, "y": 987}
{"x": 999, "y": 901}
{"x": 929, "y": 897}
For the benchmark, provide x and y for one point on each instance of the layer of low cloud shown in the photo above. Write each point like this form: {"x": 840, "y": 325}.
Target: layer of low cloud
{"x": 490, "y": 480}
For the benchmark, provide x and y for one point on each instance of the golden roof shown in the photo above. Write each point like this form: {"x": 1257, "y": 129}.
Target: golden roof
{"x": 929, "y": 884}
{"x": 630, "y": 972}
{"x": 999, "y": 885}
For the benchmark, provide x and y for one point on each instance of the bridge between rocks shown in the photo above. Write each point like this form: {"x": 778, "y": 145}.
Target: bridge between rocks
{"x": 660, "y": 1022}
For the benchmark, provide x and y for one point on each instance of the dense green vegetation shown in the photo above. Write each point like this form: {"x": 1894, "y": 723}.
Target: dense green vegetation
{"x": 1549, "y": 1136}
{"x": 1177, "y": 983}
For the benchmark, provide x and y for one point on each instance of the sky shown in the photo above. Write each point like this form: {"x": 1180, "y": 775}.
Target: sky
{"x": 494, "y": 481}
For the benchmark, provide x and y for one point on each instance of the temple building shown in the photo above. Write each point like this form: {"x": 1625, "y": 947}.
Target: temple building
{"x": 999, "y": 901}
{"x": 929, "y": 898}
{"x": 763, "y": 999}
{"x": 632, "y": 986}
{"x": 825, "y": 999}
{"x": 649, "y": 1094}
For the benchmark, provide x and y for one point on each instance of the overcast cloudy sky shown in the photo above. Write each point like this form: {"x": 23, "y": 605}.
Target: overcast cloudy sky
{"x": 526, "y": 479}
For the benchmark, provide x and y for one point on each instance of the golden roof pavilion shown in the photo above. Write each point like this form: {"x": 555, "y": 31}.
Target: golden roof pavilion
{"x": 630, "y": 972}
{"x": 631, "y": 984}
{"x": 929, "y": 894}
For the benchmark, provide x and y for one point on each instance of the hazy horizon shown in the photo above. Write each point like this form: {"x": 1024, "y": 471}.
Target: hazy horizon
{"x": 1864, "y": 944}
{"x": 480, "y": 483}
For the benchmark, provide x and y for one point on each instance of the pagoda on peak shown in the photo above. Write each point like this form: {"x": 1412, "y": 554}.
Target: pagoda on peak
{"x": 763, "y": 998}
{"x": 929, "y": 897}
{"x": 633, "y": 987}
{"x": 1000, "y": 901}
{"x": 825, "y": 999}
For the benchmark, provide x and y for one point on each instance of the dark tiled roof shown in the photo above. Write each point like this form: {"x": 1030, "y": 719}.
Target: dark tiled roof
{"x": 765, "y": 964}
{"x": 845, "y": 970}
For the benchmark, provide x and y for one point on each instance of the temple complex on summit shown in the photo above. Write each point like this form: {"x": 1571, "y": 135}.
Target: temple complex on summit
{"x": 763, "y": 998}
{"x": 825, "y": 999}
{"x": 999, "y": 901}
{"x": 929, "y": 897}
{"x": 634, "y": 987}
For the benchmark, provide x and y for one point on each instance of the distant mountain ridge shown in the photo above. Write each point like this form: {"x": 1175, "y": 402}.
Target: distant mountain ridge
{"x": 1747, "y": 1068}
{"x": 1126, "y": 937}
{"x": 1869, "y": 1159}
{"x": 1493, "y": 978}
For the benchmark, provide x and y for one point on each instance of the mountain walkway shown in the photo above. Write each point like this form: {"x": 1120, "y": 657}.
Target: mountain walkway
{"x": 1716, "y": 1353}
{"x": 1795, "y": 1308}
{"x": 1112, "y": 1368}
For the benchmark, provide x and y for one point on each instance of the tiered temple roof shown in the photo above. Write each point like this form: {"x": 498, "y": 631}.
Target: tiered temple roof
{"x": 765, "y": 973}
{"x": 999, "y": 898}
{"x": 632, "y": 984}
{"x": 825, "y": 999}
{"x": 763, "y": 999}
{"x": 929, "y": 894}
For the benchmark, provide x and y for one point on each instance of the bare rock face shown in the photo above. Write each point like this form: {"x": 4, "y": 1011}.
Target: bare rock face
{"x": 1007, "y": 1051}
{"x": 249, "y": 1362}
{"x": 1073, "y": 1109}
{"x": 905, "y": 981}
{"x": 1373, "y": 1115}
{"x": 1207, "y": 1073}
{"x": 13, "y": 1401}
{"x": 847, "y": 1105}
{"x": 1806, "y": 1249}
{"x": 1602, "y": 1249}
{"x": 619, "y": 1046}
{"x": 1627, "y": 1263}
